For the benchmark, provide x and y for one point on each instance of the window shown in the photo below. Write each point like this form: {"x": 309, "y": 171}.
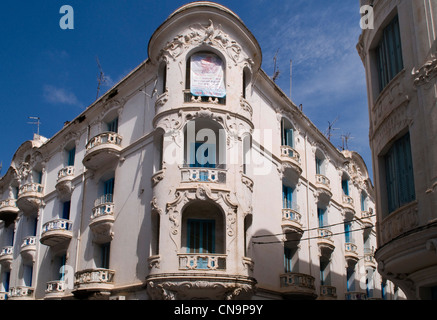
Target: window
{"x": 71, "y": 156}
{"x": 66, "y": 210}
{"x": 324, "y": 271}
{"x": 62, "y": 261}
{"x": 345, "y": 186}
{"x": 286, "y": 134}
{"x": 113, "y": 125}
{"x": 399, "y": 174}
{"x": 201, "y": 236}
{"x": 321, "y": 217}
{"x": 347, "y": 232}
{"x": 104, "y": 254}
{"x": 363, "y": 201}
{"x": 319, "y": 166}
{"x": 350, "y": 279}
{"x": 287, "y": 197}
{"x": 389, "y": 54}
{"x": 290, "y": 255}
{"x": 108, "y": 189}
{"x": 27, "y": 275}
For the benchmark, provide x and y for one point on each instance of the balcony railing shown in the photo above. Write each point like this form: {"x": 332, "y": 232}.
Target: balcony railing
{"x": 8, "y": 204}
{"x": 21, "y": 293}
{"x": 28, "y": 248}
{"x": 58, "y": 224}
{"x": 323, "y": 181}
{"x": 56, "y": 231}
{"x": 94, "y": 279}
{"x": 198, "y": 261}
{"x": 102, "y": 219}
{"x": 30, "y": 197}
{"x": 348, "y": 200}
{"x": 297, "y": 284}
{"x": 66, "y": 172}
{"x": 355, "y": 295}
{"x": 203, "y": 175}
{"x": 328, "y": 291}
{"x": 111, "y": 138}
{"x": 292, "y": 215}
{"x": 189, "y": 97}
{"x": 103, "y": 205}
{"x": 30, "y": 188}
{"x": 289, "y": 152}
{"x": 6, "y": 251}
{"x": 56, "y": 287}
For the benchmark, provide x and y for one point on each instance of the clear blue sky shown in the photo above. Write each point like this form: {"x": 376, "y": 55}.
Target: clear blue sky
{"x": 52, "y": 73}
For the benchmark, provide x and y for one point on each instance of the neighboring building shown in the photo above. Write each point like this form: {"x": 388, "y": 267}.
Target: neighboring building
{"x": 400, "y": 58}
{"x": 194, "y": 177}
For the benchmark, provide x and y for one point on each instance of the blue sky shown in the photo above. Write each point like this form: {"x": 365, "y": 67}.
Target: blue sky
{"x": 52, "y": 73}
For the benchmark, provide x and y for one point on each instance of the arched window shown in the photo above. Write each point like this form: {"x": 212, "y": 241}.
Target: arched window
{"x": 205, "y": 78}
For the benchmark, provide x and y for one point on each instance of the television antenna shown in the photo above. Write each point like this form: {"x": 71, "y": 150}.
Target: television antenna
{"x": 102, "y": 79}
{"x": 37, "y": 122}
{"x": 276, "y": 72}
{"x": 331, "y": 129}
{"x": 345, "y": 139}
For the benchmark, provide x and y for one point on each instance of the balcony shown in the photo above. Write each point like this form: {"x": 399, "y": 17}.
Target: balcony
{"x": 8, "y": 210}
{"x": 369, "y": 258}
{"x": 355, "y": 295}
{"x": 291, "y": 225}
{"x": 297, "y": 285}
{"x": 64, "y": 184}
{"x": 366, "y": 218}
{"x": 291, "y": 159}
{"x": 190, "y": 98}
{"x": 350, "y": 253}
{"x": 348, "y": 203}
{"x": 90, "y": 281}
{"x": 204, "y": 262}
{"x": 210, "y": 175}
{"x": 102, "y": 219}
{"x": 56, "y": 232}
{"x": 102, "y": 149}
{"x": 325, "y": 242}
{"x": 323, "y": 185}
{"x": 30, "y": 198}
{"x": 21, "y": 293}
{"x": 28, "y": 249}
{"x": 328, "y": 292}
{"x": 55, "y": 289}
{"x": 6, "y": 257}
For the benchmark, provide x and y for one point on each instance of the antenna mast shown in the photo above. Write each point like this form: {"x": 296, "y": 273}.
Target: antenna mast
{"x": 275, "y": 71}
{"x": 344, "y": 140}
{"x": 37, "y": 122}
{"x": 331, "y": 128}
{"x": 291, "y": 73}
{"x": 101, "y": 78}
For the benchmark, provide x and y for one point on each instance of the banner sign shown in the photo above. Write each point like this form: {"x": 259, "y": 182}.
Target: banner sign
{"x": 207, "y": 76}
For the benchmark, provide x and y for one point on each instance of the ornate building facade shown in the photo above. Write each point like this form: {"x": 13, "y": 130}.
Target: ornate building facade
{"x": 399, "y": 57}
{"x": 194, "y": 177}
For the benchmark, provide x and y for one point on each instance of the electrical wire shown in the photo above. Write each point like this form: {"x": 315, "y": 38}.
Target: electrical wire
{"x": 309, "y": 238}
{"x": 315, "y": 228}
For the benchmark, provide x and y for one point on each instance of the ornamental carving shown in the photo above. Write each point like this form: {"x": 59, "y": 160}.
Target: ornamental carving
{"x": 425, "y": 73}
{"x": 199, "y": 34}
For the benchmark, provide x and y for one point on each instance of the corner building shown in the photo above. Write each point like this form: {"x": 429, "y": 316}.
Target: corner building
{"x": 193, "y": 177}
{"x": 399, "y": 57}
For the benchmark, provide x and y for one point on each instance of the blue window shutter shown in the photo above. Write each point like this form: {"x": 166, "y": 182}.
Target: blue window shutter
{"x": 289, "y": 137}
{"x": 321, "y": 217}
{"x": 200, "y": 236}
{"x": 318, "y": 166}
{"x": 71, "y": 156}
{"x": 108, "y": 189}
{"x": 347, "y": 232}
{"x": 66, "y": 210}
{"x": 113, "y": 126}
{"x": 345, "y": 186}
{"x": 287, "y": 197}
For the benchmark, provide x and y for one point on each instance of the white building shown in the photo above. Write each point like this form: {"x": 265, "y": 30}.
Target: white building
{"x": 194, "y": 177}
{"x": 399, "y": 56}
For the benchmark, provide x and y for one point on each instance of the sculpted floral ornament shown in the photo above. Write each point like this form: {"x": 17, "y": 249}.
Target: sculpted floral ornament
{"x": 199, "y": 34}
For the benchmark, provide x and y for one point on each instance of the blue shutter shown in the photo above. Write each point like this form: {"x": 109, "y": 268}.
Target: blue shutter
{"x": 200, "y": 236}
{"x": 287, "y": 260}
{"x": 345, "y": 186}
{"x": 347, "y": 232}
{"x": 71, "y": 156}
{"x": 321, "y": 217}
{"x": 318, "y": 166}
{"x": 289, "y": 138}
{"x": 113, "y": 126}
{"x": 287, "y": 197}
{"x": 66, "y": 210}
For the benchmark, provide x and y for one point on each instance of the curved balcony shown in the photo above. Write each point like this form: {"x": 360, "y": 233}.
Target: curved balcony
{"x": 102, "y": 219}
{"x": 210, "y": 175}
{"x": 323, "y": 185}
{"x": 102, "y": 149}
{"x": 6, "y": 257}
{"x": 353, "y": 295}
{"x": 348, "y": 203}
{"x": 291, "y": 159}
{"x": 8, "y": 210}
{"x": 30, "y": 198}
{"x": 366, "y": 218}
{"x": 21, "y": 293}
{"x": 55, "y": 289}
{"x": 291, "y": 225}
{"x": 328, "y": 292}
{"x": 190, "y": 98}
{"x": 204, "y": 262}
{"x": 64, "y": 184}
{"x": 325, "y": 241}
{"x": 28, "y": 249}
{"x": 90, "y": 281}
{"x": 298, "y": 286}
{"x": 56, "y": 232}
{"x": 369, "y": 258}
{"x": 350, "y": 253}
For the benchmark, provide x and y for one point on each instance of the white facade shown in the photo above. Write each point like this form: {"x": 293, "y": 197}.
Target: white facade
{"x": 115, "y": 202}
{"x": 403, "y": 123}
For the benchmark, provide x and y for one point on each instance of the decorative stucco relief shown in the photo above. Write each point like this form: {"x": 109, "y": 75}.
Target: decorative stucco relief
{"x": 426, "y": 73}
